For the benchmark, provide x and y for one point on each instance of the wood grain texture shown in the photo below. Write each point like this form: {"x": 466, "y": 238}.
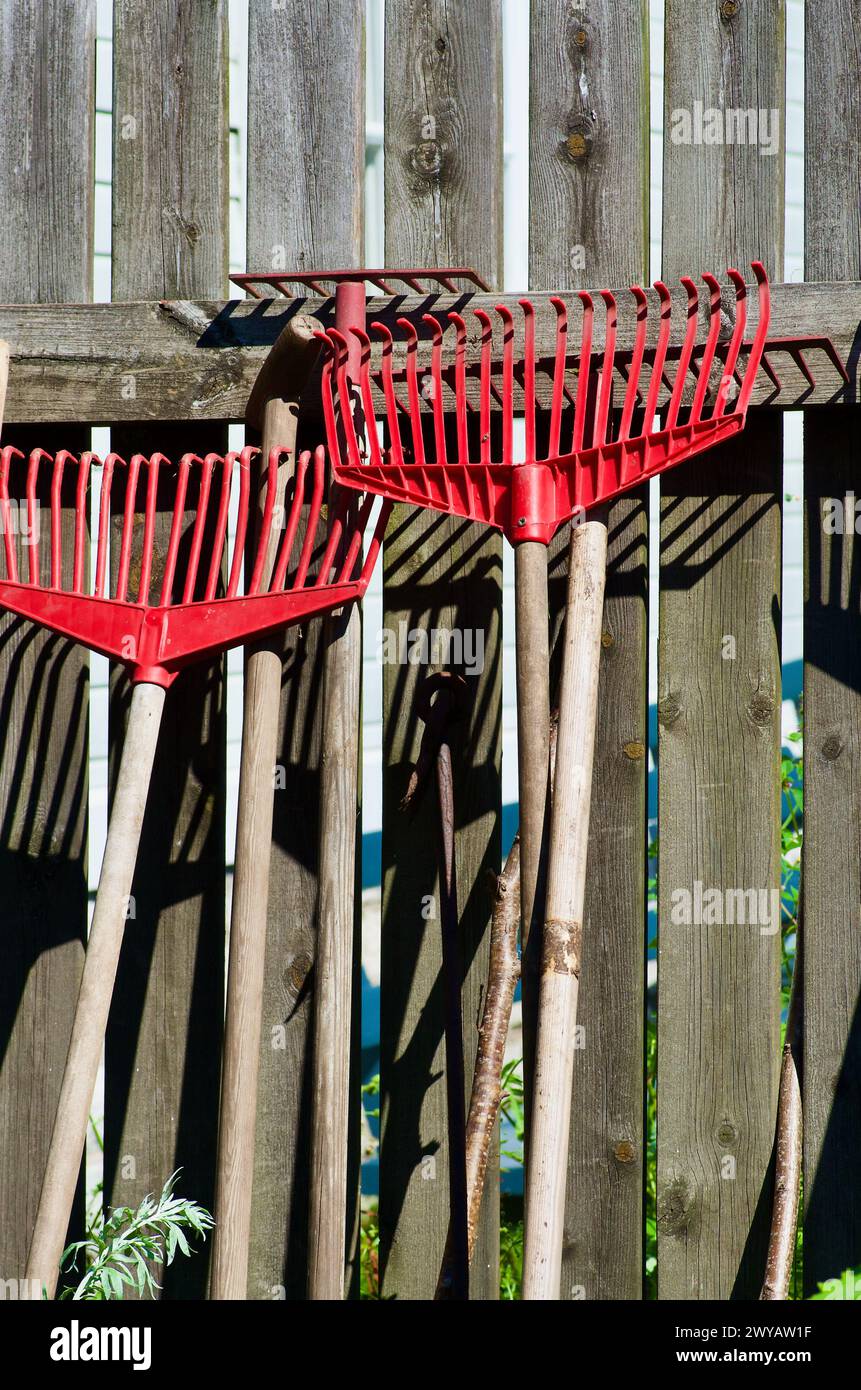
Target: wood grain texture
{"x": 198, "y": 360}
{"x": 443, "y": 200}
{"x": 170, "y": 239}
{"x": 719, "y": 707}
{"x": 306, "y": 156}
{"x": 589, "y": 182}
{"x": 47, "y": 55}
{"x": 832, "y": 687}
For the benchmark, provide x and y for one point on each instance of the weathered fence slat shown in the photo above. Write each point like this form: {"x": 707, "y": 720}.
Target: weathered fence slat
{"x": 589, "y": 182}
{"x": 170, "y": 239}
{"x": 443, "y": 197}
{"x": 719, "y": 704}
{"x": 47, "y": 55}
{"x": 303, "y": 213}
{"x": 832, "y": 687}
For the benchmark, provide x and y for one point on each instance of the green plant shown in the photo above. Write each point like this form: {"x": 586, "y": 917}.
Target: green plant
{"x": 118, "y": 1249}
{"x": 369, "y": 1256}
{"x": 511, "y": 1106}
{"x": 510, "y": 1246}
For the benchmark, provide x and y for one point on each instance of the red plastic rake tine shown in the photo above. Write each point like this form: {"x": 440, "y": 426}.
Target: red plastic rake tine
{"x": 529, "y": 375}
{"x": 413, "y": 391}
{"x": 105, "y": 522}
{"x": 346, "y": 399}
{"x": 507, "y": 382}
{"x": 356, "y": 533}
{"x": 606, "y": 389}
{"x": 558, "y": 374}
{"x": 290, "y": 529}
{"x": 80, "y": 552}
{"x": 734, "y": 344}
{"x": 266, "y": 521}
{"x": 128, "y": 526}
{"x": 61, "y": 459}
{"x": 705, "y": 366}
{"x": 330, "y": 351}
{"x": 484, "y": 382}
{"x": 395, "y": 445}
{"x": 175, "y": 528}
{"x": 666, "y": 304}
{"x": 227, "y": 465}
{"x": 756, "y": 351}
{"x": 245, "y": 460}
{"x": 149, "y": 524}
{"x": 206, "y": 465}
{"x": 435, "y": 380}
{"x": 6, "y": 456}
{"x": 460, "y": 388}
{"x": 687, "y": 349}
{"x": 35, "y": 459}
{"x": 376, "y": 457}
{"x": 584, "y": 371}
{"x": 318, "y": 486}
{"x": 633, "y": 388}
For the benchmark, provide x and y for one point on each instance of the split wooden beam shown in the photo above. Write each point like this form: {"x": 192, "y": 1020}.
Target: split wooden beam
{"x": 198, "y": 359}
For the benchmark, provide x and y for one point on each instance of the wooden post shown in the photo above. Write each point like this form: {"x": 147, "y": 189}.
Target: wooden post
{"x": 589, "y": 118}
{"x": 170, "y": 176}
{"x": 297, "y": 108}
{"x": 443, "y": 206}
{"x": 719, "y": 701}
{"x": 831, "y": 872}
{"x": 97, "y": 983}
{"x": 47, "y": 56}
{"x": 274, "y": 405}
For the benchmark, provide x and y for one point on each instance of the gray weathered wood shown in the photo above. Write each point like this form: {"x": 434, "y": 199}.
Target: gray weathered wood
{"x": 589, "y": 183}
{"x": 832, "y": 688}
{"x": 47, "y": 52}
{"x": 302, "y": 212}
{"x": 443, "y": 206}
{"x": 719, "y": 707}
{"x": 198, "y": 360}
{"x": 170, "y": 238}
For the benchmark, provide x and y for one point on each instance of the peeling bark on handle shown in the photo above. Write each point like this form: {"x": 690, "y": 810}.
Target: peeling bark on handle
{"x": 787, "y": 1175}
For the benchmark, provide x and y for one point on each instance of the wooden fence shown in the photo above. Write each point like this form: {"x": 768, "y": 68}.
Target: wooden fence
{"x": 172, "y": 377}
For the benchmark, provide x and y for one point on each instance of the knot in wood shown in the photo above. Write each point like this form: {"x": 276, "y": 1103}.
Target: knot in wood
{"x": 761, "y": 707}
{"x": 426, "y": 159}
{"x": 832, "y": 747}
{"x": 669, "y": 709}
{"x": 729, "y": 9}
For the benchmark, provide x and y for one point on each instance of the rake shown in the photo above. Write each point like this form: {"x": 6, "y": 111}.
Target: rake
{"x": 155, "y": 620}
{"x": 595, "y": 448}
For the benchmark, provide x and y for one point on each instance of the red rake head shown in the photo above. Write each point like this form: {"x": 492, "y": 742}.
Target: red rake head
{"x": 197, "y": 605}
{"x": 594, "y": 446}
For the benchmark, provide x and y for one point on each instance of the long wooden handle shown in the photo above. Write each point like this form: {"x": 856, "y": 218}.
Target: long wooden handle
{"x": 281, "y": 381}
{"x": 532, "y": 635}
{"x": 566, "y": 880}
{"x": 97, "y": 984}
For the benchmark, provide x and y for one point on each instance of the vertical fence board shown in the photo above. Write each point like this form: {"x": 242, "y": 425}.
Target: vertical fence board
{"x": 719, "y": 704}
{"x": 306, "y": 158}
{"x": 443, "y": 199}
{"x": 170, "y": 241}
{"x": 589, "y": 119}
{"x": 832, "y": 685}
{"x": 47, "y": 67}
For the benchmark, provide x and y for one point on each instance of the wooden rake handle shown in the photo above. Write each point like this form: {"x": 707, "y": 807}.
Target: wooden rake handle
{"x": 547, "y": 1165}
{"x": 97, "y": 984}
{"x": 274, "y": 408}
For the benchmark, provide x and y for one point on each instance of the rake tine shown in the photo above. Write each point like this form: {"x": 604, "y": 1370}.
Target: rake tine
{"x": 460, "y": 387}
{"x": 395, "y": 444}
{"x": 584, "y": 372}
{"x": 128, "y": 526}
{"x": 346, "y": 399}
{"x": 292, "y": 526}
{"x": 529, "y": 375}
{"x": 687, "y": 349}
{"x": 507, "y": 382}
{"x": 266, "y": 522}
{"x": 758, "y": 347}
{"x": 665, "y": 300}
{"x": 35, "y": 459}
{"x": 79, "y": 558}
{"x": 246, "y": 457}
{"x": 705, "y": 365}
{"x": 6, "y": 456}
{"x": 175, "y": 529}
{"x": 413, "y": 391}
{"x": 199, "y": 523}
{"x": 558, "y": 375}
{"x": 60, "y": 461}
{"x": 606, "y": 389}
{"x": 227, "y": 466}
{"x": 436, "y": 387}
{"x": 368, "y": 398}
{"x": 633, "y": 388}
{"x": 734, "y": 344}
{"x": 149, "y": 524}
{"x": 313, "y": 515}
{"x": 105, "y": 522}
{"x": 484, "y": 382}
